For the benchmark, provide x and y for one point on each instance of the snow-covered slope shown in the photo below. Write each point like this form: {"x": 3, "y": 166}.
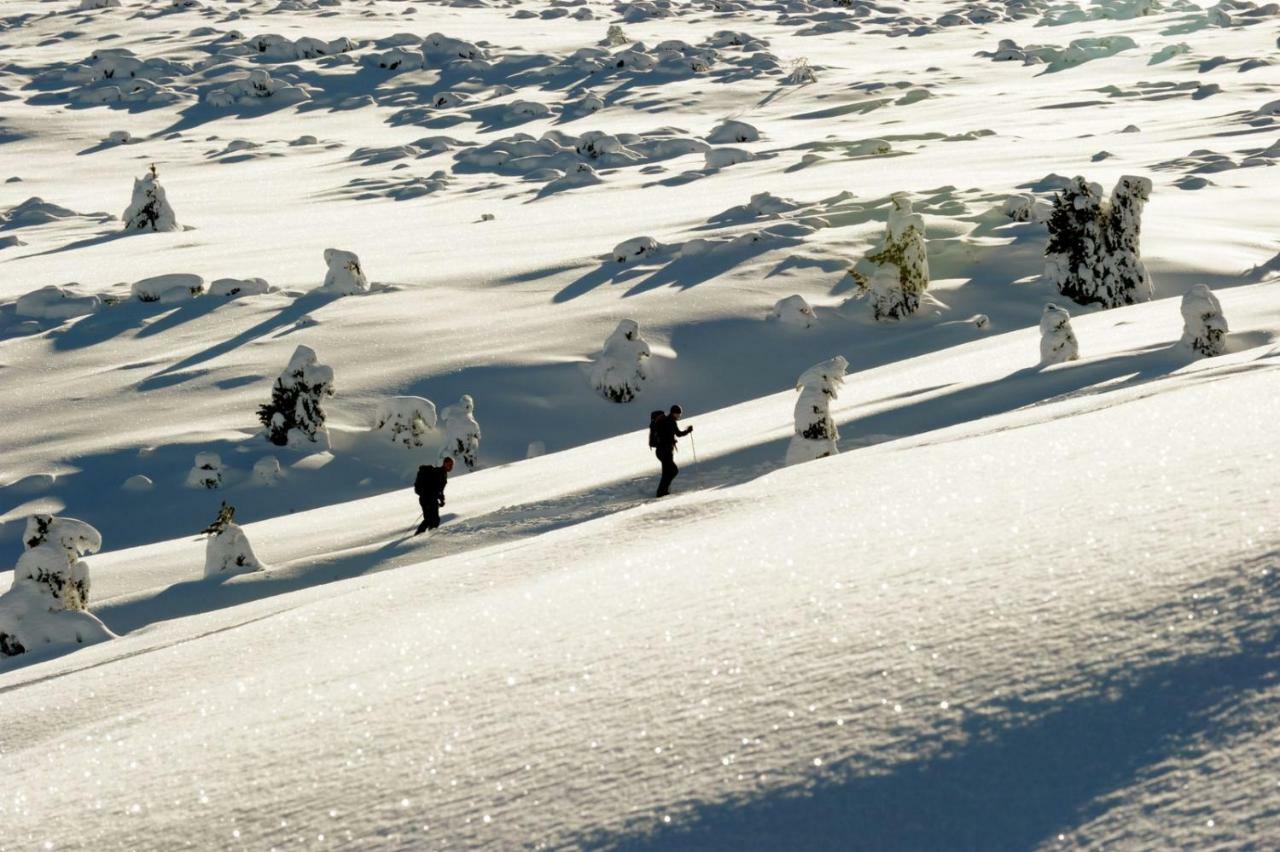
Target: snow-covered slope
{"x": 1025, "y": 606}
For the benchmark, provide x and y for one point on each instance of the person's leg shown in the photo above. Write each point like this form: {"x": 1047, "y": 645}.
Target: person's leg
{"x": 431, "y": 514}
{"x": 427, "y": 506}
{"x": 668, "y": 473}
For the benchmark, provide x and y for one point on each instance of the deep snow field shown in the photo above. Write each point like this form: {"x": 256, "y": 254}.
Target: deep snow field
{"x": 1025, "y": 605}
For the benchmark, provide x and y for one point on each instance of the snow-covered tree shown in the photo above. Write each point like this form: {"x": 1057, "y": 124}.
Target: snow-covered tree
{"x": 816, "y": 432}
{"x": 1204, "y": 327}
{"x": 405, "y": 420}
{"x": 1128, "y": 281}
{"x": 149, "y": 209}
{"x": 294, "y": 416}
{"x": 49, "y": 599}
{"x": 1093, "y": 255}
{"x": 619, "y": 373}
{"x": 1057, "y": 340}
{"x": 345, "y": 276}
{"x": 227, "y": 550}
{"x": 902, "y": 261}
{"x": 461, "y": 432}
{"x": 206, "y": 471}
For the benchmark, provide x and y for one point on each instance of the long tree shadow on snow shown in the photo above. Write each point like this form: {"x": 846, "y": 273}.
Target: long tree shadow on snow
{"x": 1017, "y": 774}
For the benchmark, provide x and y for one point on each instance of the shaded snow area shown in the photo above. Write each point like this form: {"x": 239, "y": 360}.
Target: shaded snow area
{"x": 975, "y": 312}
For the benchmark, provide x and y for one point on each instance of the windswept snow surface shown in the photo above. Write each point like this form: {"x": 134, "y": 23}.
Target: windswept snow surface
{"x": 1024, "y": 606}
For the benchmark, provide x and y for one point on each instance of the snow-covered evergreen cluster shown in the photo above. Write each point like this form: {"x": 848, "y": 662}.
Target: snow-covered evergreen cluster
{"x": 461, "y": 432}
{"x": 227, "y": 550}
{"x": 1204, "y": 326}
{"x": 294, "y": 415}
{"x": 49, "y": 599}
{"x": 619, "y": 372}
{"x": 901, "y": 263}
{"x": 1057, "y": 340}
{"x": 816, "y": 432}
{"x": 149, "y": 209}
{"x": 405, "y": 420}
{"x": 206, "y": 471}
{"x": 1093, "y": 255}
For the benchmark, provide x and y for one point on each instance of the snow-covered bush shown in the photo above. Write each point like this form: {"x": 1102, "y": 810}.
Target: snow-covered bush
{"x": 294, "y": 416}
{"x": 405, "y": 420}
{"x": 634, "y": 249}
{"x": 800, "y": 74}
{"x": 816, "y": 433}
{"x": 266, "y": 471}
{"x": 55, "y": 303}
{"x": 461, "y": 432}
{"x": 48, "y": 601}
{"x": 615, "y": 36}
{"x": 168, "y": 289}
{"x": 1025, "y": 207}
{"x": 1093, "y": 255}
{"x": 619, "y": 372}
{"x": 345, "y": 276}
{"x": 230, "y": 288}
{"x": 1204, "y": 327}
{"x": 902, "y": 262}
{"x": 256, "y": 88}
{"x": 720, "y": 158}
{"x": 206, "y": 471}
{"x": 731, "y": 131}
{"x": 149, "y": 209}
{"x": 794, "y": 310}
{"x": 1057, "y": 339}
{"x": 227, "y": 550}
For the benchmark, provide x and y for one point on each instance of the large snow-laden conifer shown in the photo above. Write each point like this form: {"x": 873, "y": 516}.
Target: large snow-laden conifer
{"x": 461, "y": 432}
{"x": 294, "y": 415}
{"x": 345, "y": 277}
{"x": 149, "y": 209}
{"x": 405, "y": 420}
{"x": 227, "y": 550}
{"x": 1128, "y": 281}
{"x": 1093, "y": 254}
{"x": 1204, "y": 327}
{"x": 816, "y": 432}
{"x": 903, "y": 263}
{"x": 619, "y": 372}
{"x": 1057, "y": 339}
{"x": 49, "y": 599}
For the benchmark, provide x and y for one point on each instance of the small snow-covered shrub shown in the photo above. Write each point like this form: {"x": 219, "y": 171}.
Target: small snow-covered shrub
{"x": 619, "y": 372}
{"x": 1025, "y": 207}
{"x": 266, "y": 471}
{"x": 615, "y": 36}
{"x": 1204, "y": 327}
{"x": 816, "y": 432}
{"x": 733, "y": 131}
{"x": 227, "y": 550}
{"x": 461, "y": 432}
{"x": 719, "y": 158}
{"x": 294, "y": 415}
{"x": 405, "y": 420}
{"x": 149, "y": 209}
{"x": 230, "y": 288}
{"x": 345, "y": 275}
{"x": 800, "y": 74}
{"x": 634, "y": 249}
{"x": 1057, "y": 339}
{"x": 795, "y": 311}
{"x": 49, "y": 599}
{"x": 256, "y": 88}
{"x": 206, "y": 471}
{"x": 55, "y": 303}
{"x": 168, "y": 289}
{"x": 902, "y": 263}
{"x": 1093, "y": 255}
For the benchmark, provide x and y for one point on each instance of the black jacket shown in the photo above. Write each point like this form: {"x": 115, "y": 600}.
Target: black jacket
{"x": 666, "y": 431}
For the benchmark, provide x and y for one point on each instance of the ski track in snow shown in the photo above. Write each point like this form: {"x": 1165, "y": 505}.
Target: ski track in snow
{"x": 1027, "y": 606}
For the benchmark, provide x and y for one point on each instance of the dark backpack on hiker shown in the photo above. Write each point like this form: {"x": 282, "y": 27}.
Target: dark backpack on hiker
{"x": 422, "y": 482}
{"x": 654, "y": 417}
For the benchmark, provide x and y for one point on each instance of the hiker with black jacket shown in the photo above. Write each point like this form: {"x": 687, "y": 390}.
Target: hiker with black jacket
{"x": 429, "y": 486}
{"x": 663, "y": 433}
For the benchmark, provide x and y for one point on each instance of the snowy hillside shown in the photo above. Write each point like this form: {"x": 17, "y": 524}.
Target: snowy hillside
{"x": 276, "y": 255}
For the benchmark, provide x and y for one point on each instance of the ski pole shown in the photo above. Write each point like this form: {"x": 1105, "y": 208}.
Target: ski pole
{"x": 693, "y": 445}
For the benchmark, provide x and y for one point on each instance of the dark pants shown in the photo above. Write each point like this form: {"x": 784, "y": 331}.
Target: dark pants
{"x": 669, "y": 471}
{"x": 430, "y": 504}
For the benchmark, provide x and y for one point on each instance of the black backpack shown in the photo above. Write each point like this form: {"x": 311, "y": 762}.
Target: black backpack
{"x": 422, "y": 482}
{"x": 654, "y": 417}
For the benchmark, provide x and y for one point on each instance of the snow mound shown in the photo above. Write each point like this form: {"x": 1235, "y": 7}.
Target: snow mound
{"x": 344, "y": 277}
{"x": 794, "y": 311}
{"x": 56, "y": 303}
{"x": 168, "y": 289}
